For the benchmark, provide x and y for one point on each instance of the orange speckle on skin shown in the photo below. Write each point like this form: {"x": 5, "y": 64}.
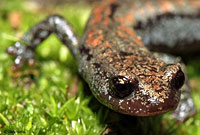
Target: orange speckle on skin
{"x": 180, "y": 2}
{"x": 120, "y": 34}
{"x": 99, "y": 31}
{"x": 114, "y": 50}
{"x": 95, "y": 41}
{"x": 132, "y": 43}
{"x": 131, "y": 33}
{"x": 117, "y": 66}
{"x": 132, "y": 57}
{"x": 113, "y": 42}
{"x": 166, "y": 6}
{"x": 106, "y": 54}
{"x": 107, "y": 44}
{"x": 98, "y": 13}
{"x": 100, "y": 47}
{"x": 149, "y": 8}
{"x": 90, "y": 35}
{"x": 127, "y": 19}
{"x": 95, "y": 37}
{"x": 109, "y": 51}
{"x": 141, "y": 12}
{"x": 106, "y": 22}
{"x": 106, "y": 19}
{"x": 149, "y": 79}
{"x": 194, "y": 3}
{"x": 110, "y": 59}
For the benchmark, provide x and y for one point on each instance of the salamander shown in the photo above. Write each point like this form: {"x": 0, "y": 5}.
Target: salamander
{"x": 123, "y": 54}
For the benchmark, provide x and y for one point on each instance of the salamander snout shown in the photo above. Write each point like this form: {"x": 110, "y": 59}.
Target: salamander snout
{"x": 146, "y": 94}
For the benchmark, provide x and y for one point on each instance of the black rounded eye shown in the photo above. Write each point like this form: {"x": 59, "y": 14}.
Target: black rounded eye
{"x": 122, "y": 87}
{"x": 178, "y": 80}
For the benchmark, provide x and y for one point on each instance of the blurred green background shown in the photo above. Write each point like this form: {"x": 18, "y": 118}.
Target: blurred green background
{"x": 51, "y": 98}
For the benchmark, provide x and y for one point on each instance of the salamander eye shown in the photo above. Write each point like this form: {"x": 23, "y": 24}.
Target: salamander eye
{"x": 122, "y": 86}
{"x": 178, "y": 80}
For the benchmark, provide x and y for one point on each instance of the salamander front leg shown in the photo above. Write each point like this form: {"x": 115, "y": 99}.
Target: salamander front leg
{"x": 186, "y": 106}
{"x": 52, "y": 24}
{"x": 22, "y": 54}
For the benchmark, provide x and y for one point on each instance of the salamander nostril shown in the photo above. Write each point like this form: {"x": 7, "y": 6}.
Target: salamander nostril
{"x": 178, "y": 80}
{"x": 122, "y": 86}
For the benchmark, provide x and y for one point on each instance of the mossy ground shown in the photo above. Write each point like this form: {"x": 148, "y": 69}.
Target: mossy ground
{"x": 50, "y": 98}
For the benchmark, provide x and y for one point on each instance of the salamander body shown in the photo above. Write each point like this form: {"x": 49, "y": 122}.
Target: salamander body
{"x": 120, "y": 54}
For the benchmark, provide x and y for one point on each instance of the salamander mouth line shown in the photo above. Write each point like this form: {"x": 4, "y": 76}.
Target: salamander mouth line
{"x": 153, "y": 113}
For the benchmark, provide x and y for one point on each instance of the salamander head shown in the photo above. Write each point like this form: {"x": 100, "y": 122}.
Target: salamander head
{"x": 145, "y": 94}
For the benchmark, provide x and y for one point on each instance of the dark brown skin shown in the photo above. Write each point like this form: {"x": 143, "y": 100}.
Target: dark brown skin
{"x": 121, "y": 72}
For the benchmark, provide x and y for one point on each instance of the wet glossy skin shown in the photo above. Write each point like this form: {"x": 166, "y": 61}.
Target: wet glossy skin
{"x": 113, "y": 59}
